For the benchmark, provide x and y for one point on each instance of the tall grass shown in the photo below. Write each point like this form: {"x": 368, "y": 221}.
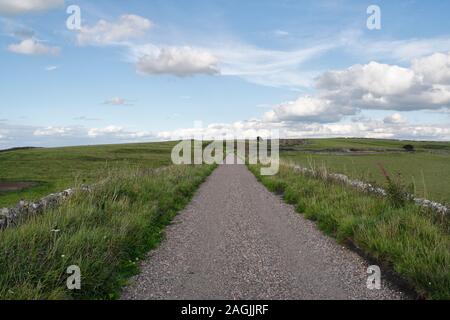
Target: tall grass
{"x": 104, "y": 232}
{"x": 408, "y": 238}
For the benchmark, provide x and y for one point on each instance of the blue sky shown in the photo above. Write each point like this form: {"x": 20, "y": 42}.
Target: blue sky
{"x": 146, "y": 70}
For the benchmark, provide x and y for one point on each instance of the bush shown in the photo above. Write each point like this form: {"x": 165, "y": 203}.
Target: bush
{"x": 408, "y": 147}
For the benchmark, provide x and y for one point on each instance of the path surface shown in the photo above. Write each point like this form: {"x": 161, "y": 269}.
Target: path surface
{"x": 236, "y": 240}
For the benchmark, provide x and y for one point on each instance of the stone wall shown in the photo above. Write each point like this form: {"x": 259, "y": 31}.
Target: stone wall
{"x": 24, "y": 209}
{"x": 367, "y": 187}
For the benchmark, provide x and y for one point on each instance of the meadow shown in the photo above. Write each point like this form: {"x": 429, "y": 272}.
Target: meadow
{"x": 426, "y": 169}
{"x": 55, "y": 169}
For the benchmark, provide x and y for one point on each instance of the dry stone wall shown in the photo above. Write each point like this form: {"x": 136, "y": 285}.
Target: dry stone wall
{"x": 367, "y": 187}
{"x": 24, "y": 209}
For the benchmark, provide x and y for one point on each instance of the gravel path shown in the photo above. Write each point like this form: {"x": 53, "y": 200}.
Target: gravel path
{"x": 236, "y": 240}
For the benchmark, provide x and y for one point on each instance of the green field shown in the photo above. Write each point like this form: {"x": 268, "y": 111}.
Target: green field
{"x": 427, "y": 168}
{"x": 55, "y": 169}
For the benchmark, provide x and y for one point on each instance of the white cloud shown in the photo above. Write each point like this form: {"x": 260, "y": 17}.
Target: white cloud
{"x": 33, "y": 47}
{"x": 373, "y": 86}
{"x": 366, "y": 128}
{"x": 404, "y": 50}
{"x": 382, "y": 86}
{"x": 269, "y": 67}
{"x": 178, "y": 61}
{"x": 128, "y": 27}
{"x": 12, "y": 7}
{"x": 395, "y": 118}
{"x": 111, "y": 131}
{"x": 118, "y": 132}
{"x": 434, "y": 68}
{"x": 256, "y": 65}
{"x": 307, "y": 109}
{"x": 53, "y": 136}
{"x": 378, "y": 79}
{"x": 117, "y": 101}
{"x": 53, "y": 131}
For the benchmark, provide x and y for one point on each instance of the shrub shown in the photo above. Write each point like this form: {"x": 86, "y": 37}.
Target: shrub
{"x": 408, "y": 147}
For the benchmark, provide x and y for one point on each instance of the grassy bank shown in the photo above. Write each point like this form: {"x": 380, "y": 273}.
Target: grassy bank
{"x": 427, "y": 168}
{"x": 55, "y": 169}
{"x": 410, "y": 240}
{"x": 104, "y": 232}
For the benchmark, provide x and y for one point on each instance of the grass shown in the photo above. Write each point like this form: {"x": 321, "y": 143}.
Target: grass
{"x": 55, "y": 169}
{"x": 410, "y": 240}
{"x": 428, "y": 168}
{"x": 364, "y": 144}
{"x": 104, "y": 232}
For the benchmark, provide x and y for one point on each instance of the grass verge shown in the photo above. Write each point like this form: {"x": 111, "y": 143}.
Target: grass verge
{"x": 104, "y": 232}
{"x": 409, "y": 240}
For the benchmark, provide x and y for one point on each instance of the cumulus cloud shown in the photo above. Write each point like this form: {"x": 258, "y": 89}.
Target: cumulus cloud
{"x": 13, "y": 7}
{"x": 373, "y": 86}
{"x": 307, "y": 109}
{"x": 33, "y": 47}
{"x": 128, "y": 27}
{"x": 434, "y": 68}
{"x": 178, "y": 61}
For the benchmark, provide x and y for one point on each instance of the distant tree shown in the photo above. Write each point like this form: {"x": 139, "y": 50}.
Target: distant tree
{"x": 259, "y": 139}
{"x": 408, "y": 147}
